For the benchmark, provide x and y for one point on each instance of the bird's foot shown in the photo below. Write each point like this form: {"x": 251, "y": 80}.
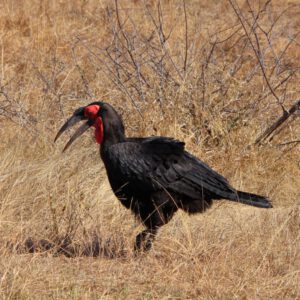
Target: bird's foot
{"x": 143, "y": 241}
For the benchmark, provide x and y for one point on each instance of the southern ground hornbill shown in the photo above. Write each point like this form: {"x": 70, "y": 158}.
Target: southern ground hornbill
{"x": 153, "y": 176}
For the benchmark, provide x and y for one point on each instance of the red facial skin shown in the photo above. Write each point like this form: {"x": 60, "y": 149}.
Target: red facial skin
{"x": 91, "y": 112}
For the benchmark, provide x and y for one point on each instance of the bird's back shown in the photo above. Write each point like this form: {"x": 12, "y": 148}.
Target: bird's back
{"x": 141, "y": 165}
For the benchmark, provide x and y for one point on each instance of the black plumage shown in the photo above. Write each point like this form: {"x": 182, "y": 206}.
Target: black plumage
{"x": 154, "y": 176}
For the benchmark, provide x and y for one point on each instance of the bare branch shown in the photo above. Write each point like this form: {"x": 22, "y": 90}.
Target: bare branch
{"x": 278, "y": 122}
{"x": 257, "y": 51}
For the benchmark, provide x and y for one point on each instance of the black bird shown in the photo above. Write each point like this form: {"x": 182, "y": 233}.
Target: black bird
{"x": 153, "y": 176}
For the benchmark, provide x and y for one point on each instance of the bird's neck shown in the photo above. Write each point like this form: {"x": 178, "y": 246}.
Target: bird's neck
{"x": 111, "y": 138}
{"x": 113, "y": 134}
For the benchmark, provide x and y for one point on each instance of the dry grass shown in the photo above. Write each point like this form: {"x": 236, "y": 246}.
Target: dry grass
{"x": 205, "y": 87}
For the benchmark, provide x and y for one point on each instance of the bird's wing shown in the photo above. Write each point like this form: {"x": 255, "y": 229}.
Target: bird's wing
{"x": 200, "y": 179}
{"x": 158, "y": 163}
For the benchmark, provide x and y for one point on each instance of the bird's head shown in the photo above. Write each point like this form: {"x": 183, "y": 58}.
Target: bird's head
{"x": 94, "y": 114}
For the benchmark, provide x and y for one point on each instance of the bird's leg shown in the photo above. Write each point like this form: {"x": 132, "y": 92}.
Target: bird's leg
{"x": 144, "y": 239}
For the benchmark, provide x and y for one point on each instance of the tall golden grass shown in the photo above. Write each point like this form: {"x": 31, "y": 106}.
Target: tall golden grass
{"x": 189, "y": 70}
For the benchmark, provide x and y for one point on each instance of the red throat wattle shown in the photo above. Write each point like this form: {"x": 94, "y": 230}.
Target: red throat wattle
{"x": 91, "y": 112}
{"x": 98, "y": 130}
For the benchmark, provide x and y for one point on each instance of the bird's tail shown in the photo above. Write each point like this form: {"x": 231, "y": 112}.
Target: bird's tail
{"x": 252, "y": 199}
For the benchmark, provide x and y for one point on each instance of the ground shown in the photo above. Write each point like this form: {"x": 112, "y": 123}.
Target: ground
{"x": 215, "y": 74}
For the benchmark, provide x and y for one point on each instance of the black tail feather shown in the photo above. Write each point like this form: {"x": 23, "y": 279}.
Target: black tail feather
{"x": 252, "y": 199}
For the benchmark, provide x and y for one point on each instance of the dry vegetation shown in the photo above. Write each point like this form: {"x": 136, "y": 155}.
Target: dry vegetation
{"x": 212, "y": 73}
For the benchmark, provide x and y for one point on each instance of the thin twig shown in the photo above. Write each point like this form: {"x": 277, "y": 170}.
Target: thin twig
{"x": 289, "y": 143}
{"x": 186, "y": 37}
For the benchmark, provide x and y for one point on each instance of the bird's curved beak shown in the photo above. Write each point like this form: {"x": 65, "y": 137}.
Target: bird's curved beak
{"x": 77, "y": 117}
